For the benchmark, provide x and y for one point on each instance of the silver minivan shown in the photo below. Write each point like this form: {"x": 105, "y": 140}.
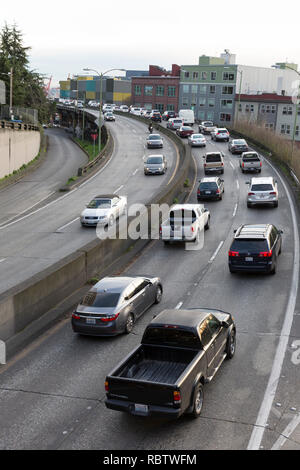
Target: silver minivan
{"x": 155, "y": 165}
{"x": 174, "y": 123}
{"x": 262, "y": 191}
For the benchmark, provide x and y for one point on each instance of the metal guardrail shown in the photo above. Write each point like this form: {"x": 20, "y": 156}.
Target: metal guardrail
{"x": 20, "y": 126}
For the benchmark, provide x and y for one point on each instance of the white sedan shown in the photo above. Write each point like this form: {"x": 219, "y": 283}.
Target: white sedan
{"x": 197, "y": 140}
{"x": 103, "y": 210}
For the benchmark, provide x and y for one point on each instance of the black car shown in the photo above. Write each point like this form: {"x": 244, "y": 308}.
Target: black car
{"x": 255, "y": 248}
{"x": 114, "y": 304}
{"x": 238, "y": 146}
{"x": 210, "y": 188}
{"x": 155, "y": 116}
{"x": 168, "y": 115}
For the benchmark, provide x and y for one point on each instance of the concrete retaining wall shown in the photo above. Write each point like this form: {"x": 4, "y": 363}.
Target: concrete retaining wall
{"x": 17, "y": 147}
{"x": 24, "y": 304}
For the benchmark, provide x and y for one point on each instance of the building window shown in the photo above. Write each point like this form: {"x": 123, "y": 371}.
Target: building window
{"x": 287, "y": 110}
{"x": 203, "y": 75}
{"x": 201, "y": 115}
{"x": 211, "y": 102}
{"x": 148, "y": 90}
{"x": 202, "y": 102}
{"x": 228, "y": 104}
{"x": 160, "y": 90}
{"x": 263, "y": 109}
{"x": 252, "y": 108}
{"x": 285, "y": 129}
{"x": 194, "y": 89}
{"x": 185, "y": 88}
{"x": 297, "y": 130}
{"x": 240, "y": 107}
{"x": 228, "y": 76}
{"x": 212, "y": 89}
{"x": 170, "y": 107}
{"x": 210, "y": 115}
{"x": 195, "y": 74}
{"x": 247, "y": 108}
{"x": 171, "y": 91}
{"x": 137, "y": 90}
{"x": 202, "y": 89}
{"x": 225, "y": 117}
{"x": 273, "y": 109}
{"x": 268, "y": 108}
{"x": 269, "y": 126}
{"x": 213, "y": 75}
{"x": 160, "y": 107}
{"x": 184, "y": 101}
{"x": 227, "y": 90}
{"x": 186, "y": 74}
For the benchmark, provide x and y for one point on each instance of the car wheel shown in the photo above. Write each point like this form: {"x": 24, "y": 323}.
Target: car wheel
{"x": 166, "y": 242}
{"x": 243, "y": 171}
{"x": 233, "y": 271}
{"x": 273, "y": 271}
{"x": 279, "y": 252}
{"x": 249, "y": 205}
{"x": 158, "y": 294}
{"x": 129, "y": 323}
{"x": 275, "y": 204}
{"x": 207, "y": 224}
{"x": 230, "y": 346}
{"x": 197, "y": 401}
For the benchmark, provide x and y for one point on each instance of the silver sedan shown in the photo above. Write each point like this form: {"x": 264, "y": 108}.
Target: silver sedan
{"x": 197, "y": 140}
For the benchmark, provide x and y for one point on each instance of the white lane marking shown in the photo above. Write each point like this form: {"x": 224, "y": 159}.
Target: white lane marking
{"x": 135, "y": 172}
{"x": 66, "y": 225}
{"x": 231, "y": 164}
{"x": 3, "y": 259}
{"x": 287, "y": 432}
{"x": 235, "y": 209}
{"x": 237, "y": 184}
{"x": 216, "y": 252}
{"x": 266, "y": 405}
{"x": 118, "y": 189}
{"x": 178, "y": 305}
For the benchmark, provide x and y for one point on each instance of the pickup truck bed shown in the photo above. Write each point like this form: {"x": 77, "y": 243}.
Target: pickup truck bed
{"x": 160, "y": 365}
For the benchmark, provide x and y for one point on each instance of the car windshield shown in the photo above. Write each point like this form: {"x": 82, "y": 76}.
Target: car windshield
{"x": 208, "y": 185}
{"x": 154, "y": 137}
{"x": 222, "y": 130}
{"x": 154, "y": 160}
{"x": 101, "y": 299}
{"x": 249, "y": 245}
{"x": 214, "y": 157}
{"x": 261, "y": 187}
{"x": 197, "y": 136}
{"x": 99, "y": 203}
{"x": 239, "y": 142}
{"x": 208, "y": 124}
{"x": 186, "y": 128}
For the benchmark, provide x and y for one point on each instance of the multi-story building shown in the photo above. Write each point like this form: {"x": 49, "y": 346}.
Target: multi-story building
{"x": 211, "y": 86}
{"x": 86, "y": 88}
{"x": 159, "y": 90}
{"x": 2, "y": 92}
{"x": 274, "y": 112}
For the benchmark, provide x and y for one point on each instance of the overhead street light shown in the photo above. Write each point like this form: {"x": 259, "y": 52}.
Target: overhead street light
{"x": 87, "y": 69}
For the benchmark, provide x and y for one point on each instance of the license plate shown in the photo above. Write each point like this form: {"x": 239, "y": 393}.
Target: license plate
{"x": 140, "y": 408}
{"x": 90, "y": 321}
{"x": 207, "y": 192}
{"x": 248, "y": 258}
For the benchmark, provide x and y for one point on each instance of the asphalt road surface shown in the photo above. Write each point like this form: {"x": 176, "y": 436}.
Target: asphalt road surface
{"x": 52, "y": 394}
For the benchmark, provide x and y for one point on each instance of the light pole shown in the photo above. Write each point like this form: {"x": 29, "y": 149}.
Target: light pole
{"x": 100, "y": 104}
{"x": 240, "y": 90}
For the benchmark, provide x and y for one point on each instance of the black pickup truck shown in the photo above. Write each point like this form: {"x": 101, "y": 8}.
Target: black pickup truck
{"x": 180, "y": 351}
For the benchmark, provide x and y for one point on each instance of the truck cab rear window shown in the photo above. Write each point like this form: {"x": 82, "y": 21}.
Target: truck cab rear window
{"x": 171, "y": 336}
{"x": 213, "y": 158}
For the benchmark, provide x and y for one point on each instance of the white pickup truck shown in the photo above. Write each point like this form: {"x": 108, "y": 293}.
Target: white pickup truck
{"x": 185, "y": 223}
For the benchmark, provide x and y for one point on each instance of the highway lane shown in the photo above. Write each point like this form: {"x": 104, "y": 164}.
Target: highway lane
{"x": 47, "y": 234}
{"x": 63, "y": 159}
{"x": 52, "y": 396}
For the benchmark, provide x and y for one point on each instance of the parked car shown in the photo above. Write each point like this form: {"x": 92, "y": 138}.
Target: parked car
{"x": 180, "y": 351}
{"x": 262, "y": 191}
{"x": 210, "y": 188}
{"x": 154, "y": 141}
{"x": 109, "y": 116}
{"x": 155, "y": 116}
{"x": 206, "y": 127}
{"x": 184, "y": 131}
{"x": 197, "y": 140}
{"x": 174, "y": 123}
{"x": 155, "y": 165}
{"x": 184, "y": 223}
{"x": 114, "y": 304}
{"x": 104, "y": 210}
{"x": 238, "y": 146}
{"x": 168, "y": 115}
{"x": 220, "y": 134}
{"x": 213, "y": 161}
{"x": 250, "y": 161}
{"x": 255, "y": 248}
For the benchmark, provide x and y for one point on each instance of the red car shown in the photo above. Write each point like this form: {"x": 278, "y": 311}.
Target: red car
{"x": 185, "y": 131}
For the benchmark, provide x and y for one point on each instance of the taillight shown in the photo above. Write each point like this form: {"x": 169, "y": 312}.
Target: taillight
{"x": 265, "y": 254}
{"x": 273, "y": 193}
{"x": 198, "y": 192}
{"x": 106, "y": 386}
{"x": 250, "y": 194}
{"x": 110, "y": 318}
{"x": 75, "y": 316}
{"x": 260, "y": 163}
{"x": 192, "y": 228}
{"x": 218, "y": 191}
{"x": 243, "y": 164}
{"x": 222, "y": 164}
{"x": 176, "y": 396}
{"x": 233, "y": 253}
{"x": 205, "y": 164}
{"x": 160, "y": 230}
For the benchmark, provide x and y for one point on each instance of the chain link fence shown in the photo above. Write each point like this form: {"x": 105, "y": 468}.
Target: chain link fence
{"x": 25, "y": 115}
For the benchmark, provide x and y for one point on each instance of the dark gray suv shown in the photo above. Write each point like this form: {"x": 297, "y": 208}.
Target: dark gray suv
{"x": 114, "y": 304}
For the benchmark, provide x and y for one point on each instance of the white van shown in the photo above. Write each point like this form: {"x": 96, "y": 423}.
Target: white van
{"x": 188, "y": 117}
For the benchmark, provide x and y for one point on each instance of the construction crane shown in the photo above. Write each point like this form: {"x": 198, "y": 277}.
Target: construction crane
{"x": 47, "y": 87}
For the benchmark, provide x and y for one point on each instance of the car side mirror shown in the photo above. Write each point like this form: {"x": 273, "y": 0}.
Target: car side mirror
{"x": 224, "y": 323}
{"x": 280, "y": 231}
{"x": 235, "y": 230}
{"x": 247, "y": 182}
{"x": 222, "y": 181}
{"x": 203, "y": 156}
{"x": 205, "y": 210}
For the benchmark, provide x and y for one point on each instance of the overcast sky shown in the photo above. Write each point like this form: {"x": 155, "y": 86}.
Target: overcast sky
{"x": 66, "y": 36}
